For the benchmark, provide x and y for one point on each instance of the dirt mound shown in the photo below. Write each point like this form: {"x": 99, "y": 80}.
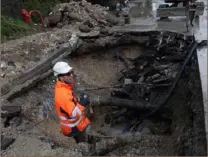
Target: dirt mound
{"x": 75, "y": 12}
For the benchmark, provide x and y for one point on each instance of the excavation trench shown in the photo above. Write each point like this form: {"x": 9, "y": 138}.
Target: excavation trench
{"x": 176, "y": 127}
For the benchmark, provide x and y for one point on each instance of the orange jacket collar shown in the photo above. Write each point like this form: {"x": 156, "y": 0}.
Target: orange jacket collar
{"x": 62, "y": 84}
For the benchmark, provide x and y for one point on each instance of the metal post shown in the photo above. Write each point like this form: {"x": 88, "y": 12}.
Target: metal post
{"x": 187, "y": 15}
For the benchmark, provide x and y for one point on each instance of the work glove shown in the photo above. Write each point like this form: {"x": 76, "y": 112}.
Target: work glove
{"x": 84, "y": 99}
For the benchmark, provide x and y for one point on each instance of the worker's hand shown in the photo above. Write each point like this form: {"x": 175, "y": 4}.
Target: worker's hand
{"x": 84, "y": 99}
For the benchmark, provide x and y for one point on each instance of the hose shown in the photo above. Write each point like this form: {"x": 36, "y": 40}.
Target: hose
{"x": 27, "y": 16}
{"x": 38, "y": 13}
{"x": 127, "y": 127}
{"x": 121, "y": 86}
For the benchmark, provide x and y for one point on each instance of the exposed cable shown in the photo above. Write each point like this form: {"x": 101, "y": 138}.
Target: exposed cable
{"x": 193, "y": 47}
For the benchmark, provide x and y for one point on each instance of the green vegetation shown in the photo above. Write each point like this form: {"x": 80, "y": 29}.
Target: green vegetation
{"x": 13, "y": 28}
{"x": 43, "y": 6}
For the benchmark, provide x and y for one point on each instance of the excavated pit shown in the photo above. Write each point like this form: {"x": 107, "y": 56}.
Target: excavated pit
{"x": 176, "y": 129}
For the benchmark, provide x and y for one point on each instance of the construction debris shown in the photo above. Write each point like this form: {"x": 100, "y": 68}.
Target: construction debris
{"x": 10, "y": 111}
{"x": 105, "y": 101}
{"x": 86, "y": 43}
{"x": 80, "y": 11}
{"x": 141, "y": 96}
{"x": 144, "y": 72}
{"x": 38, "y": 72}
{"x": 108, "y": 144}
{"x": 6, "y": 142}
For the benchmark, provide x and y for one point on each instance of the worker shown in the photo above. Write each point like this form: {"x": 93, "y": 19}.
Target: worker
{"x": 192, "y": 12}
{"x": 118, "y": 8}
{"x": 71, "y": 112}
{"x": 126, "y": 2}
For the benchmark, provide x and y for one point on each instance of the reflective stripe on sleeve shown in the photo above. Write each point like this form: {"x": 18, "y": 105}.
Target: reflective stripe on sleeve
{"x": 73, "y": 124}
{"x": 62, "y": 118}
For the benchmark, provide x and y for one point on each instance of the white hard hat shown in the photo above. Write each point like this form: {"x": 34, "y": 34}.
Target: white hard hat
{"x": 61, "y": 68}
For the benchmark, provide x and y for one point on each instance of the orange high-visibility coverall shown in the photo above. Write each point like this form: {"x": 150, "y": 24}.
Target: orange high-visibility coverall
{"x": 70, "y": 112}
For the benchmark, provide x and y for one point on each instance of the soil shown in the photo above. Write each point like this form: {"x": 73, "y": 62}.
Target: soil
{"x": 40, "y": 135}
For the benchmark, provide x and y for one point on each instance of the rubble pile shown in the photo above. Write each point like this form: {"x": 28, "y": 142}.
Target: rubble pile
{"x": 84, "y": 12}
{"x": 155, "y": 69}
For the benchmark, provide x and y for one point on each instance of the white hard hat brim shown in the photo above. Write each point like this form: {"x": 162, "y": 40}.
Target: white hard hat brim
{"x": 67, "y": 70}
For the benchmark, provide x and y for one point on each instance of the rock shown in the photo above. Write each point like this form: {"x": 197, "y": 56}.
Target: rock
{"x": 174, "y": 74}
{"x": 3, "y": 74}
{"x": 92, "y": 34}
{"x": 6, "y": 142}
{"x": 84, "y": 28}
{"x": 60, "y": 25}
{"x": 11, "y": 63}
{"x": 15, "y": 122}
{"x": 146, "y": 131}
{"x": 10, "y": 111}
{"x": 74, "y": 16}
{"x": 88, "y": 23}
{"x": 104, "y": 31}
{"x": 40, "y": 115}
{"x": 111, "y": 19}
{"x": 137, "y": 152}
{"x": 53, "y": 18}
{"x": 127, "y": 81}
{"x": 127, "y": 20}
{"x": 4, "y": 122}
{"x": 76, "y": 11}
{"x": 141, "y": 79}
{"x": 120, "y": 119}
{"x": 83, "y": 147}
{"x": 155, "y": 76}
{"x": 83, "y": 3}
{"x": 3, "y": 65}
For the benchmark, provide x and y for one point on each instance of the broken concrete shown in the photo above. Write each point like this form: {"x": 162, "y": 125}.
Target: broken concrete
{"x": 36, "y": 73}
{"x": 89, "y": 43}
{"x": 80, "y": 11}
{"x": 10, "y": 111}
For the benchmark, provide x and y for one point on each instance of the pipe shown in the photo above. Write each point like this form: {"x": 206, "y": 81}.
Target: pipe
{"x": 27, "y": 16}
{"x": 123, "y": 85}
{"x": 38, "y": 13}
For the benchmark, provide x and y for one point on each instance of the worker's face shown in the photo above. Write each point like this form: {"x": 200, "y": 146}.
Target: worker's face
{"x": 69, "y": 78}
